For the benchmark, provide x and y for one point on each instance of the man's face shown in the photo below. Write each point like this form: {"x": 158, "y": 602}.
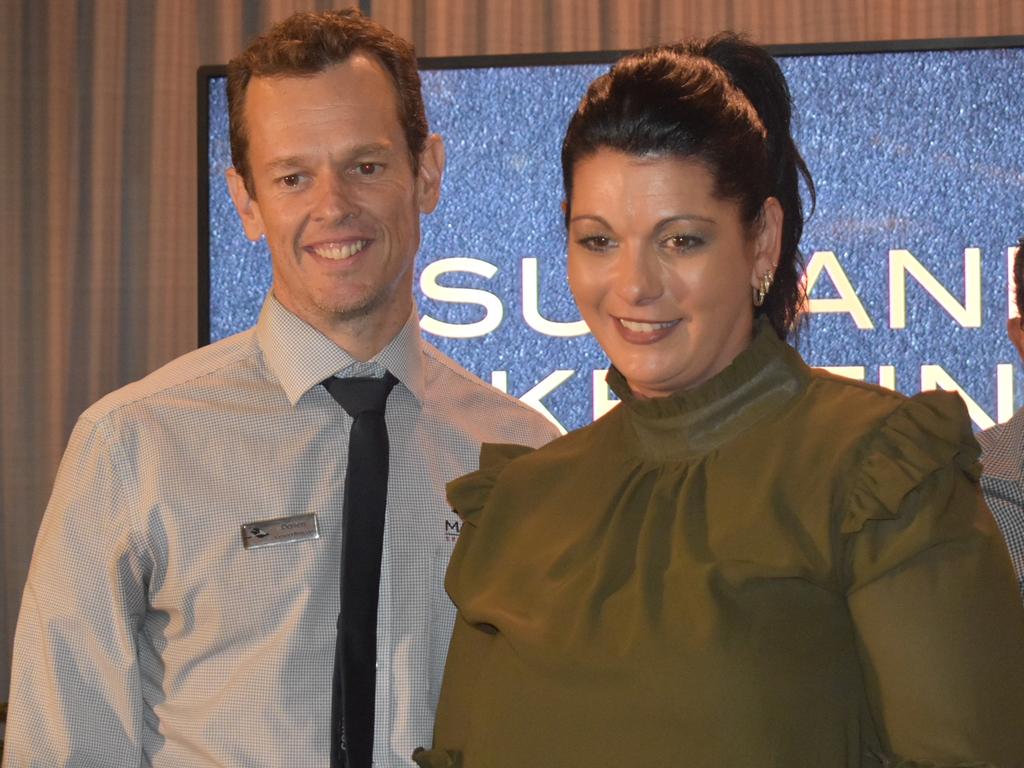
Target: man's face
{"x": 336, "y": 196}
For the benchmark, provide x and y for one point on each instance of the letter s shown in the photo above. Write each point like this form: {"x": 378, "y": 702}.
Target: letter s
{"x": 494, "y": 311}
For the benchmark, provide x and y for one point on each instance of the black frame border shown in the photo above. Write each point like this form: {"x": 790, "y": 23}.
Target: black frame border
{"x": 204, "y": 74}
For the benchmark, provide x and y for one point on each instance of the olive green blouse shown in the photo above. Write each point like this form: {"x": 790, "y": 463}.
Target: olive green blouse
{"x": 778, "y": 568}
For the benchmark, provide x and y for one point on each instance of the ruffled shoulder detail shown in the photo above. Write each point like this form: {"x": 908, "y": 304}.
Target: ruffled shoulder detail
{"x": 927, "y": 433}
{"x": 468, "y": 494}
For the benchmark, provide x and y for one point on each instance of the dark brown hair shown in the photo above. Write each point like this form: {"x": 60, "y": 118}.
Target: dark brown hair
{"x": 725, "y": 102}
{"x": 1018, "y": 280}
{"x": 308, "y": 43}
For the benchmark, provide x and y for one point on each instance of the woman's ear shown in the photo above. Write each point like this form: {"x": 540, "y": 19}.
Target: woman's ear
{"x": 767, "y": 241}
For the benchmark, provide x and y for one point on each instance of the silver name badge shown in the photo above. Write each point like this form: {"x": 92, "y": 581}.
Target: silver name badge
{"x": 266, "y": 533}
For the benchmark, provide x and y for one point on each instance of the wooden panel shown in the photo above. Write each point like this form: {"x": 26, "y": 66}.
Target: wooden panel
{"x": 467, "y": 27}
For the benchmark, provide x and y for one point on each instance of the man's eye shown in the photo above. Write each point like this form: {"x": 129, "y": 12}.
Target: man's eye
{"x": 291, "y": 180}
{"x": 368, "y": 169}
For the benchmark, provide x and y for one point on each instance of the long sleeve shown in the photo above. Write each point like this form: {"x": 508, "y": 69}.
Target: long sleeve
{"x": 932, "y": 597}
{"x": 75, "y": 691}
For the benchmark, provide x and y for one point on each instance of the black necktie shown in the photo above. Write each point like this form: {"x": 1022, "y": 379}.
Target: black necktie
{"x": 366, "y": 494}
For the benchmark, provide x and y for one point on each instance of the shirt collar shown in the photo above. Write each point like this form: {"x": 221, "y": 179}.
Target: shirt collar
{"x": 301, "y": 357}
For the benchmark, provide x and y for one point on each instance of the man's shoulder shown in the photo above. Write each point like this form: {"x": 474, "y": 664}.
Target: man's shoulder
{"x": 1002, "y": 449}
{"x": 993, "y": 438}
{"x": 174, "y": 378}
{"x": 480, "y": 407}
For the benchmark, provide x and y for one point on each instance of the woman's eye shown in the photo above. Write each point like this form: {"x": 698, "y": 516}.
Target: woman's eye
{"x": 684, "y": 242}
{"x": 595, "y": 242}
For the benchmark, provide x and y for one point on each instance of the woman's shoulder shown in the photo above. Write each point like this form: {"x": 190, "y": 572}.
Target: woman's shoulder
{"x": 523, "y": 469}
{"x": 860, "y": 407}
{"x": 859, "y": 401}
{"x": 896, "y": 442}
{"x": 879, "y": 444}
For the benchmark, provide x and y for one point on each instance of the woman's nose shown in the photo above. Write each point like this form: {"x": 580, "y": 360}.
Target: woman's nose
{"x": 638, "y": 276}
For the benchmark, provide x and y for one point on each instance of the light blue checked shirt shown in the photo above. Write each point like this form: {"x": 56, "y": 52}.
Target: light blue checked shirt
{"x": 149, "y": 636}
{"x": 1002, "y": 481}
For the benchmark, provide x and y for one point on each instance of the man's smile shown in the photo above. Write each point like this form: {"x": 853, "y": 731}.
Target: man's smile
{"x": 338, "y": 251}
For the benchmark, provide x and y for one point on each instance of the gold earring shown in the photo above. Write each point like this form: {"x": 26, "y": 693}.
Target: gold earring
{"x": 761, "y": 292}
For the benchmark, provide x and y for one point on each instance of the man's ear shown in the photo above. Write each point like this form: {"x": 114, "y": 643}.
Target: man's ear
{"x": 1016, "y": 334}
{"x": 248, "y": 209}
{"x": 767, "y": 241}
{"x": 428, "y": 178}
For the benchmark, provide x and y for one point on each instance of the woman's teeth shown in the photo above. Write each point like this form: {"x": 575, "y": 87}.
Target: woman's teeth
{"x": 340, "y": 252}
{"x": 635, "y": 325}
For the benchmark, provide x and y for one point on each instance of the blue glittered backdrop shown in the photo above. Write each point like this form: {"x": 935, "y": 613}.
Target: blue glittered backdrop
{"x": 919, "y": 166}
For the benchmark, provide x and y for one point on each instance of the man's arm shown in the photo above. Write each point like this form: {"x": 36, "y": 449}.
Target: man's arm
{"x": 75, "y": 690}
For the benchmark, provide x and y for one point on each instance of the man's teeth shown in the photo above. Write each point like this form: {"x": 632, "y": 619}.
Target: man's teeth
{"x": 634, "y": 325}
{"x": 340, "y": 252}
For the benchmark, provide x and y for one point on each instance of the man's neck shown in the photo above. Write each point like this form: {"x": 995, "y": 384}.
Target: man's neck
{"x": 362, "y": 345}
{"x": 361, "y": 337}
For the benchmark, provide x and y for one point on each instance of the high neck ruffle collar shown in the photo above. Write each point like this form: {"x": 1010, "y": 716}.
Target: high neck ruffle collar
{"x": 759, "y": 382}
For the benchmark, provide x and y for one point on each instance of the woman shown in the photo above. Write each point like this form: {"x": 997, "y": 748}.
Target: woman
{"x": 748, "y": 562}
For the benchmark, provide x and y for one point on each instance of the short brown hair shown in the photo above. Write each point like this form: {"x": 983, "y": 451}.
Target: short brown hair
{"x": 308, "y": 43}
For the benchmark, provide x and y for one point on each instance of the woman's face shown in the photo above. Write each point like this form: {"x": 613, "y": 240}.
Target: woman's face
{"x": 662, "y": 269}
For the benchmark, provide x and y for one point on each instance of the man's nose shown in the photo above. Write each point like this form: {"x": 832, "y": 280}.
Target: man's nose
{"x": 335, "y": 201}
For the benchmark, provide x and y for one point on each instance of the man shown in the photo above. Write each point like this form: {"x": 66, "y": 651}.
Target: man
{"x": 151, "y": 632}
{"x": 1002, "y": 447}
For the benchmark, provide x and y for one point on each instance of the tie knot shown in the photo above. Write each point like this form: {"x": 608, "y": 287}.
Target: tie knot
{"x": 359, "y": 395}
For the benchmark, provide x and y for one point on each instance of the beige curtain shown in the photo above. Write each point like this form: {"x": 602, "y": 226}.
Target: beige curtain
{"x": 98, "y": 165}
{"x": 466, "y": 27}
